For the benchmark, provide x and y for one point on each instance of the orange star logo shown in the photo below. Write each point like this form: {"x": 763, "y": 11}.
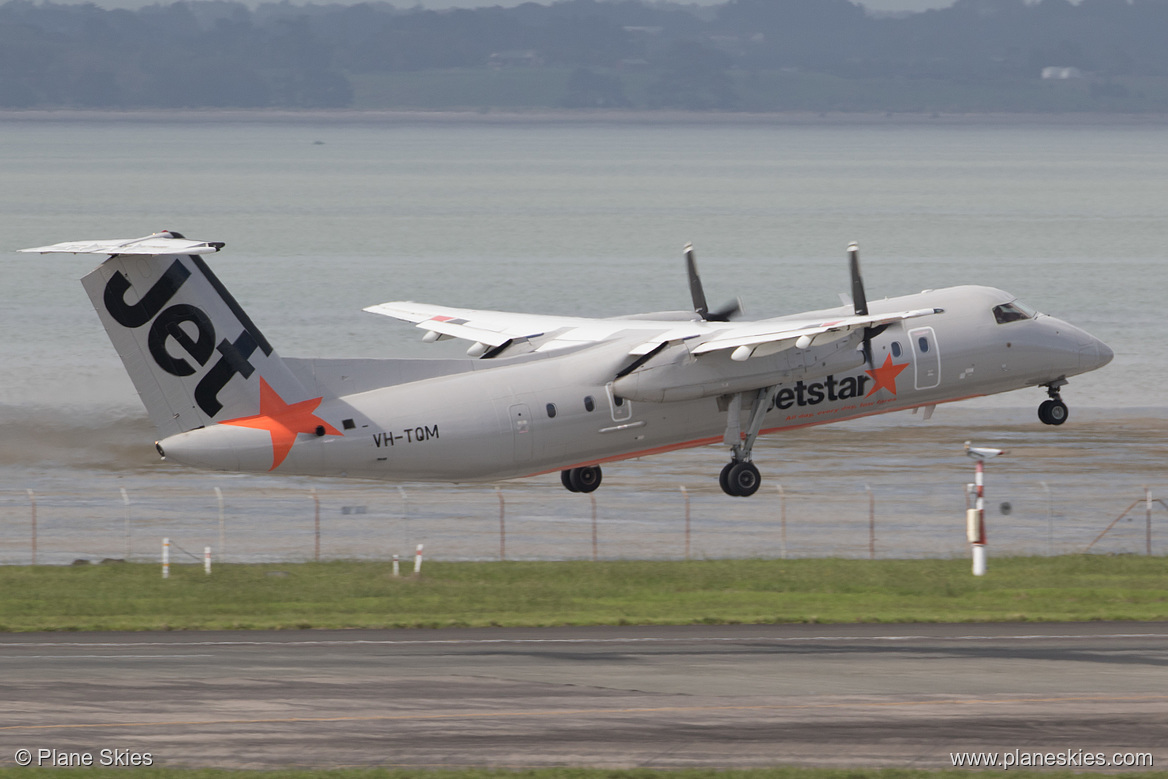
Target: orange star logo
{"x": 284, "y": 421}
{"x": 885, "y": 376}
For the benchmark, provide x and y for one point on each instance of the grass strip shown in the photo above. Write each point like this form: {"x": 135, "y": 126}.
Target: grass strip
{"x": 576, "y": 773}
{"x": 347, "y": 594}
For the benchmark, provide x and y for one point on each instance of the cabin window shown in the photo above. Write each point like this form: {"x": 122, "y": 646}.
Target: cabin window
{"x": 923, "y": 343}
{"x": 618, "y": 401}
{"x": 551, "y": 410}
{"x": 896, "y": 348}
{"x": 589, "y": 404}
{"x": 1012, "y": 312}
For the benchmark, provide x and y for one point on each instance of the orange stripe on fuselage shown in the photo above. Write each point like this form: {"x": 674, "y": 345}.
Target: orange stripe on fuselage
{"x": 717, "y": 439}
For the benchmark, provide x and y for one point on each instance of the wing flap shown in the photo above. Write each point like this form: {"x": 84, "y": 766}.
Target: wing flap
{"x": 456, "y": 329}
{"x": 675, "y": 335}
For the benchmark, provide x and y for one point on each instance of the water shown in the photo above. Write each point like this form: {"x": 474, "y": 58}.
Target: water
{"x": 322, "y": 218}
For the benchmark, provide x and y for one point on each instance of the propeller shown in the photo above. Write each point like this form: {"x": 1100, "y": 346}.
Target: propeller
{"x": 859, "y": 299}
{"x": 860, "y": 302}
{"x": 723, "y": 314}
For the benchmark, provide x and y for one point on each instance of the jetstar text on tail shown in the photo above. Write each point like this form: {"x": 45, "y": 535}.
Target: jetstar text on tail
{"x": 167, "y": 329}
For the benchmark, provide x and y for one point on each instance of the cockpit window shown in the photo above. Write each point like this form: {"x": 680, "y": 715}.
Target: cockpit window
{"x": 1012, "y": 312}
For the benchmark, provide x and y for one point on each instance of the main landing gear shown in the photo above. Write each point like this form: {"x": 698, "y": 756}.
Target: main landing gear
{"x": 585, "y": 479}
{"x": 1053, "y": 411}
{"x": 739, "y": 477}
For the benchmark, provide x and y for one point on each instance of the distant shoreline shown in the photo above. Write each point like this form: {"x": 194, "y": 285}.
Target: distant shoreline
{"x": 551, "y": 117}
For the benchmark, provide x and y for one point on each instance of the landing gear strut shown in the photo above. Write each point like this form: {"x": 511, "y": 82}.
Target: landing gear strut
{"x": 739, "y": 477}
{"x": 585, "y": 479}
{"x": 1053, "y": 411}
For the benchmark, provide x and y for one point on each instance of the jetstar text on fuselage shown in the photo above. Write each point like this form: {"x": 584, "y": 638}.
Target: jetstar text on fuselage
{"x": 830, "y": 390}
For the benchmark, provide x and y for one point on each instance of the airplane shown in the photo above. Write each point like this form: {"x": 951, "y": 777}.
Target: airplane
{"x": 543, "y": 393}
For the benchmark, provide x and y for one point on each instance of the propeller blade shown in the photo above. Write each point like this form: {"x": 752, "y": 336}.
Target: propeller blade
{"x": 859, "y": 299}
{"x": 695, "y": 283}
{"x": 701, "y": 307}
{"x": 726, "y": 312}
{"x": 860, "y": 302}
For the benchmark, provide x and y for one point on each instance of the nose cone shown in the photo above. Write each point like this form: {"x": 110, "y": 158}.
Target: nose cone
{"x": 1094, "y": 354}
{"x": 1060, "y": 348}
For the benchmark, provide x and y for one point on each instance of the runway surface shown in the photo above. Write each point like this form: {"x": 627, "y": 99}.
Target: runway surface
{"x": 723, "y": 696}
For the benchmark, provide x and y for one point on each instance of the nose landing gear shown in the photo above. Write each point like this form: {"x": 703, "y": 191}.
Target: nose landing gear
{"x": 1053, "y": 411}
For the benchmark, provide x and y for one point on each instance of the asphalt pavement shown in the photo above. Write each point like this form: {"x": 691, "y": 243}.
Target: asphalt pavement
{"x": 714, "y": 696}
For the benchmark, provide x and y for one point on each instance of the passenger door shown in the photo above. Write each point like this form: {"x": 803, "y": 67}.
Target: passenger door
{"x": 926, "y": 357}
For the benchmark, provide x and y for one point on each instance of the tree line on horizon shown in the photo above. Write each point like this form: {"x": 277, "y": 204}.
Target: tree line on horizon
{"x": 220, "y": 53}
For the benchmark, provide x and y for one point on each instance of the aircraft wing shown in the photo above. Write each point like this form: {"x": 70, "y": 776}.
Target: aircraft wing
{"x": 150, "y": 245}
{"x": 493, "y": 328}
{"x": 772, "y": 336}
{"x": 496, "y": 328}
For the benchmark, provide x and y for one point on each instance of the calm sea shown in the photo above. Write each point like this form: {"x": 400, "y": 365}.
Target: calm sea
{"x": 324, "y": 218}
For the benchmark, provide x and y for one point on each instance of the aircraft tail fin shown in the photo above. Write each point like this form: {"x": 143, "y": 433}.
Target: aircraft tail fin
{"x": 194, "y": 355}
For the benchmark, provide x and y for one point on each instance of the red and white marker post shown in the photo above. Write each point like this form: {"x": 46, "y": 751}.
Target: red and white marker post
{"x": 975, "y": 528}
{"x": 975, "y": 522}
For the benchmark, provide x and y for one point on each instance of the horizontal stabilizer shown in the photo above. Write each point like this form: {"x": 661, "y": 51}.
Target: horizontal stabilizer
{"x": 151, "y": 245}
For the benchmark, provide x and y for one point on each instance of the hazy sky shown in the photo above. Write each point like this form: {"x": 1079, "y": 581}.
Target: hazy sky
{"x": 876, "y": 5}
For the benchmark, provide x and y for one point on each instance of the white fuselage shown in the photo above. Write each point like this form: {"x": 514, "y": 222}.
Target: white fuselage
{"x": 481, "y": 420}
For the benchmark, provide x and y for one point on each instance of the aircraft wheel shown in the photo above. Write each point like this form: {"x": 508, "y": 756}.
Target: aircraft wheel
{"x": 566, "y": 480}
{"x": 585, "y": 479}
{"x": 1053, "y": 412}
{"x": 1057, "y": 413}
{"x": 724, "y": 477}
{"x": 1044, "y": 410}
{"x": 743, "y": 479}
